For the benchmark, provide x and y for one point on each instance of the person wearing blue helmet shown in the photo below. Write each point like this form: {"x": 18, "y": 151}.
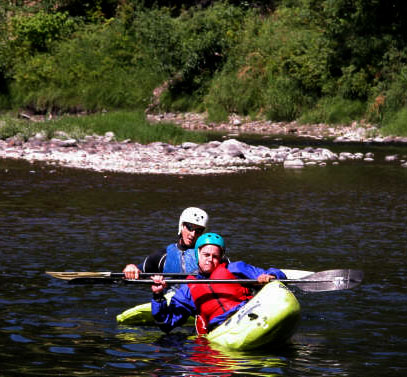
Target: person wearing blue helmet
{"x": 179, "y": 256}
{"x": 211, "y": 303}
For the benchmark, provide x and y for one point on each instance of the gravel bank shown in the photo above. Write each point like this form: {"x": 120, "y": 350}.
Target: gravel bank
{"x": 104, "y": 154}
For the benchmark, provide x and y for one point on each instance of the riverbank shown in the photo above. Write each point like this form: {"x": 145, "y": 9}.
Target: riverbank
{"x": 106, "y": 154}
{"x": 236, "y": 125}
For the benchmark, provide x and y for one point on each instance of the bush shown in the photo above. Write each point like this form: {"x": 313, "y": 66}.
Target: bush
{"x": 217, "y": 113}
{"x": 353, "y": 84}
{"x": 238, "y": 91}
{"x": 334, "y": 110}
{"x": 285, "y": 100}
{"x": 39, "y": 31}
{"x": 396, "y": 125}
{"x": 91, "y": 71}
{"x": 240, "y": 85}
{"x": 389, "y": 95}
{"x": 275, "y": 55}
{"x": 396, "y": 94}
{"x": 204, "y": 38}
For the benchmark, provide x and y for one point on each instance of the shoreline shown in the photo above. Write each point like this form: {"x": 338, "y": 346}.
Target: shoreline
{"x": 105, "y": 154}
{"x": 237, "y": 125}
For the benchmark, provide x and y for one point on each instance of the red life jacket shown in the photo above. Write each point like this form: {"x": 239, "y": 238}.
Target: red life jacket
{"x": 212, "y": 300}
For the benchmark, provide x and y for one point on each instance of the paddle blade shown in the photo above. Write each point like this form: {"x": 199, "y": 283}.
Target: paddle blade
{"x": 110, "y": 277}
{"x": 73, "y": 275}
{"x": 90, "y": 280}
{"x": 331, "y": 280}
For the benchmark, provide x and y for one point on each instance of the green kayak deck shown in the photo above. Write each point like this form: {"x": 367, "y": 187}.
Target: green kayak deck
{"x": 270, "y": 317}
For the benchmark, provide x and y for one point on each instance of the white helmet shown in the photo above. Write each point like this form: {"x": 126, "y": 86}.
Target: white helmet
{"x": 193, "y": 215}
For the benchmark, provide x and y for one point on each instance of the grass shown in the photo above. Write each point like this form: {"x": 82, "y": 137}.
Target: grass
{"x": 125, "y": 125}
{"x": 334, "y": 111}
{"x": 397, "y": 125}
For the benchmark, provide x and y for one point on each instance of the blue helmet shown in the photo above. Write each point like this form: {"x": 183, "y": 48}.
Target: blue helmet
{"x": 209, "y": 239}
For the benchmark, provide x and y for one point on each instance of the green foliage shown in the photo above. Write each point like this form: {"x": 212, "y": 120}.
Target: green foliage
{"x": 240, "y": 85}
{"x": 203, "y": 40}
{"x": 24, "y": 129}
{"x": 353, "y": 84}
{"x": 4, "y": 101}
{"x": 39, "y": 31}
{"x": 22, "y": 36}
{"x": 93, "y": 70}
{"x": 237, "y": 92}
{"x": 274, "y": 56}
{"x": 124, "y": 124}
{"x": 91, "y": 10}
{"x": 389, "y": 95}
{"x": 298, "y": 49}
{"x": 217, "y": 113}
{"x": 177, "y": 102}
{"x": 127, "y": 125}
{"x": 285, "y": 100}
{"x": 155, "y": 35}
{"x": 396, "y": 94}
{"x": 335, "y": 110}
{"x": 397, "y": 124}
{"x": 275, "y": 59}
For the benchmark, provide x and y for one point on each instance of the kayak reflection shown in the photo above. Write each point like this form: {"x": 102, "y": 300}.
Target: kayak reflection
{"x": 187, "y": 355}
{"x": 212, "y": 361}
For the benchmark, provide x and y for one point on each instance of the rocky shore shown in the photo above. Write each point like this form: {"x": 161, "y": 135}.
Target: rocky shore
{"x": 236, "y": 125}
{"x": 105, "y": 154}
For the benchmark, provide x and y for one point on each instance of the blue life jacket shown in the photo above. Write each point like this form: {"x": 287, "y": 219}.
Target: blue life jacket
{"x": 178, "y": 261}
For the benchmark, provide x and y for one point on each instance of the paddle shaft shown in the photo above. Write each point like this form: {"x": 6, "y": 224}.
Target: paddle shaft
{"x": 69, "y": 275}
{"x": 147, "y": 274}
{"x": 66, "y": 275}
{"x": 222, "y": 281}
{"x": 330, "y": 280}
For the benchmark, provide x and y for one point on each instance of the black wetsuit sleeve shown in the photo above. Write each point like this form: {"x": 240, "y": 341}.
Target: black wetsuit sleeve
{"x": 154, "y": 262}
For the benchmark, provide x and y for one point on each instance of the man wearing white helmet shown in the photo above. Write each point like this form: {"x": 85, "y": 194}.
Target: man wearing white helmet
{"x": 178, "y": 256}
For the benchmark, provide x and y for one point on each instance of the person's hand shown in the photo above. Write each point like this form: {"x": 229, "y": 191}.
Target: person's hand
{"x": 264, "y": 278}
{"x": 159, "y": 284}
{"x": 131, "y": 272}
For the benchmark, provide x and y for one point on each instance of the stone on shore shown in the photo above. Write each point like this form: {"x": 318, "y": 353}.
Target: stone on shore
{"x": 293, "y": 164}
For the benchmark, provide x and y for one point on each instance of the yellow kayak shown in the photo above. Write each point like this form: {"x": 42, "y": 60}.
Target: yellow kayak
{"x": 271, "y": 316}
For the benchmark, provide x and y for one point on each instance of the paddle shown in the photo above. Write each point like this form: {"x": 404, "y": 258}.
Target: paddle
{"x": 330, "y": 280}
{"x": 112, "y": 276}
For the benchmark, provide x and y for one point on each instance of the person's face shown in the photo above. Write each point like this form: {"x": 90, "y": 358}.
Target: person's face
{"x": 190, "y": 233}
{"x": 209, "y": 257}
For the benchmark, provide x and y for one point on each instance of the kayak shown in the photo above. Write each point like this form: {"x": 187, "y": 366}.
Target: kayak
{"x": 270, "y": 317}
{"x": 140, "y": 315}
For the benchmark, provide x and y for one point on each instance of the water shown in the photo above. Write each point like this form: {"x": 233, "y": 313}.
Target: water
{"x": 347, "y": 216}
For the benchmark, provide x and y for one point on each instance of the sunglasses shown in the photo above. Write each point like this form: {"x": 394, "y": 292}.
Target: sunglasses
{"x": 192, "y": 228}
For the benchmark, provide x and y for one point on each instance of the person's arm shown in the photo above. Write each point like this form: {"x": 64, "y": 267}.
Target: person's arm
{"x": 152, "y": 263}
{"x": 177, "y": 312}
{"x": 248, "y": 271}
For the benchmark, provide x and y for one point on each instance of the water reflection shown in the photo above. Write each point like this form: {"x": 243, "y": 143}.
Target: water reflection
{"x": 214, "y": 361}
{"x": 187, "y": 355}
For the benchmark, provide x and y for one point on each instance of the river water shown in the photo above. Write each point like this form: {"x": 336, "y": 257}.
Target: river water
{"x": 348, "y": 216}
